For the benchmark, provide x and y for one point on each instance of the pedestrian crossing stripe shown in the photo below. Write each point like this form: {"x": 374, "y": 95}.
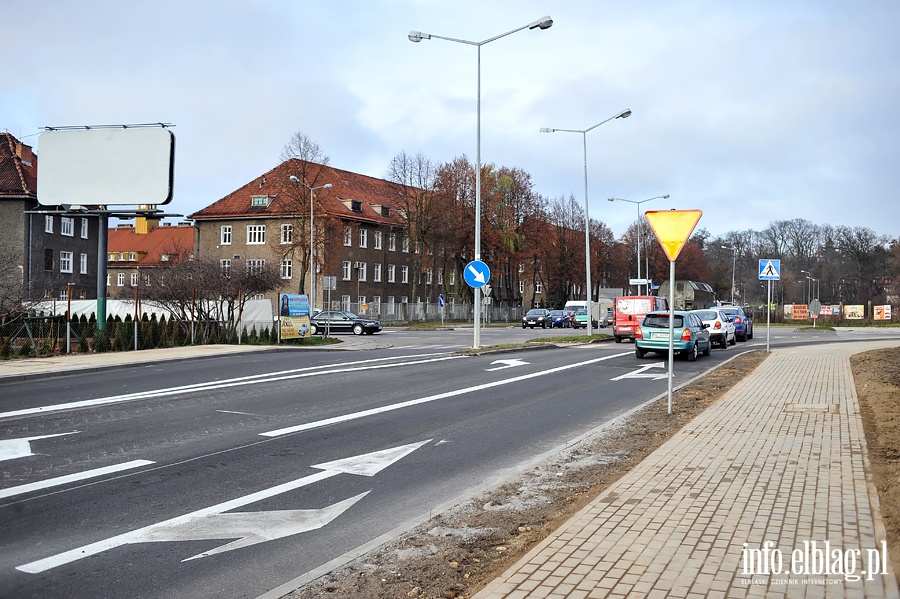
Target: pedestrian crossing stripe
{"x": 769, "y": 270}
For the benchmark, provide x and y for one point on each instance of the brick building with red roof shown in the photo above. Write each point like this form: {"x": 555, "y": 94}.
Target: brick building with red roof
{"x": 134, "y": 252}
{"x": 360, "y": 236}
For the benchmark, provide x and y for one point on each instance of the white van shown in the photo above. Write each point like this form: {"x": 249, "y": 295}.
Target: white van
{"x": 599, "y": 309}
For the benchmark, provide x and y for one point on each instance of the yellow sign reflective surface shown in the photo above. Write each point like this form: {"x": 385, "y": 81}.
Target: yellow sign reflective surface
{"x": 673, "y": 228}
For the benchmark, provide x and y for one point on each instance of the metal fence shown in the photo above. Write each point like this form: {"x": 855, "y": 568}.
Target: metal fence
{"x": 396, "y": 313}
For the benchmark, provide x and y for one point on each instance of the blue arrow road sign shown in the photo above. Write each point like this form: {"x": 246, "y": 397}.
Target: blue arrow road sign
{"x": 477, "y": 274}
{"x": 441, "y": 300}
{"x": 769, "y": 270}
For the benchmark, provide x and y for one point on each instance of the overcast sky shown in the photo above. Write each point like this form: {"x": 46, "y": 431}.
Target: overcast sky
{"x": 749, "y": 111}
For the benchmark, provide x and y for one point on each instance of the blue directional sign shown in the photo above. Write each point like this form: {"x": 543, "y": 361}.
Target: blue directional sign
{"x": 769, "y": 270}
{"x": 477, "y": 274}
{"x": 441, "y": 300}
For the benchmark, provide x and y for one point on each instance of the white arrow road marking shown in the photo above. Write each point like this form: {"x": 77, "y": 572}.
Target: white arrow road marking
{"x": 640, "y": 374}
{"x": 476, "y": 274}
{"x": 249, "y": 528}
{"x": 69, "y": 478}
{"x": 506, "y": 364}
{"x": 10, "y": 449}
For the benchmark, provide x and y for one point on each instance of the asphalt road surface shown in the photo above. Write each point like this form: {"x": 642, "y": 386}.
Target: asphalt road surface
{"x": 236, "y": 475}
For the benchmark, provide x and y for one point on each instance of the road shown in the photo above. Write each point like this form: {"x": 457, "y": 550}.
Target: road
{"x": 236, "y": 475}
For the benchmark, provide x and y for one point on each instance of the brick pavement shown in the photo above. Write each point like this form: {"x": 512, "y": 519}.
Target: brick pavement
{"x": 776, "y": 468}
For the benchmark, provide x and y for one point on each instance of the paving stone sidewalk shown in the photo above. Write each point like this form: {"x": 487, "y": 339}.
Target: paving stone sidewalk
{"x": 776, "y": 468}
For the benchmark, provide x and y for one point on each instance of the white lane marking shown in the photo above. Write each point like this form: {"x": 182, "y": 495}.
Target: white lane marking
{"x": 69, "y": 478}
{"x": 506, "y": 364}
{"x": 640, "y": 374}
{"x": 236, "y": 412}
{"x": 213, "y": 385}
{"x": 249, "y": 528}
{"x": 11, "y": 449}
{"x": 430, "y": 398}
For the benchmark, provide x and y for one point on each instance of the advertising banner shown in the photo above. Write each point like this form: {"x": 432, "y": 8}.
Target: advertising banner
{"x": 799, "y": 312}
{"x": 855, "y": 312}
{"x": 882, "y": 312}
{"x": 294, "y": 314}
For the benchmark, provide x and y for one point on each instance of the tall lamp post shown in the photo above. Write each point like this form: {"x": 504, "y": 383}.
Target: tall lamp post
{"x": 733, "y": 261}
{"x": 587, "y": 219}
{"x": 418, "y": 36}
{"x": 312, "y": 241}
{"x": 808, "y": 284}
{"x": 640, "y": 233}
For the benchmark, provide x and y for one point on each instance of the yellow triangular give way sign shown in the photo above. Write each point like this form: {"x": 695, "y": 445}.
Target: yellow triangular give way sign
{"x": 673, "y": 228}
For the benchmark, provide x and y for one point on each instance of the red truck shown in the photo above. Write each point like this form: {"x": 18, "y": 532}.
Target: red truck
{"x": 630, "y": 311}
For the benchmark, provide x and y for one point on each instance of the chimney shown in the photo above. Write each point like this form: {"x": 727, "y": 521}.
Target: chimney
{"x": 24, "y": 153}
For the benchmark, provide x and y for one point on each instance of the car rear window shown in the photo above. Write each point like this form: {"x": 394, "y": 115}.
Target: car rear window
{"x": 707, "y": 315}
{"x": 661, "y": 321}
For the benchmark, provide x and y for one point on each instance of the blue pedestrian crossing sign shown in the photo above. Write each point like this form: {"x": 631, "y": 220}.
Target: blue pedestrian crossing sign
{"x": 477, "y": 274}
{"x": 769, "y": 269}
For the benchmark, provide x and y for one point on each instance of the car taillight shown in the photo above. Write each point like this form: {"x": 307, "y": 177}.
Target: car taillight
{"x": 738, "y": 320}
{"x": 638, "y": 334}
{"x": 718, "y": 325}
{"x": 686, "y": 335}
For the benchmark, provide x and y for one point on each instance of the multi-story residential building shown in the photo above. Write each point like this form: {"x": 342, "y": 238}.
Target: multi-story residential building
{"x": 360, "y": 235}
{"x": 41, "y": 253}
{"x": 135, "y": 253}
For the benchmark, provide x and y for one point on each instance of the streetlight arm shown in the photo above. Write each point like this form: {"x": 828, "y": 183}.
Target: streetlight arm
{"x": 418, "y": 36}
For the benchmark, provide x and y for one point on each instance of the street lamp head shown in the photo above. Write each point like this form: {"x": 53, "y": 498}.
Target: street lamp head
{"x": 326, "y": 186}
{"x": 665, "y": 196}
{"x": 624, "y": 114}
{"x": 418, "y": 36}
{"x": 612, "y": 199}
{"x": 547, "y": 130}
{"x": 294, "y": 179}
{"x": 543, "y": 23}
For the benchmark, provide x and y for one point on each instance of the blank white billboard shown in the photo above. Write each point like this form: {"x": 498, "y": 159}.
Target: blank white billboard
{"x": 89, "y": 167}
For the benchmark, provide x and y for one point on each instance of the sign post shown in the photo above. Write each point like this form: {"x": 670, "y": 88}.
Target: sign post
{"x": 477, "y": 274}
{"x": 769, "y": 270}
{"x": 672, "y": 229}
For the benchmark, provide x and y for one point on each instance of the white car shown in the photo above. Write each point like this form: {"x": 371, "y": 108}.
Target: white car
{"x": 721, "y": 328}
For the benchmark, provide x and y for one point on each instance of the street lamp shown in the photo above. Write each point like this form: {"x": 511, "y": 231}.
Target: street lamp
{"x": 587, "y": 220}
{"x": 808, "y": 284}
{"x": 733, "y": 258}
{"x": 418, "y": 36}
{"x": 312, "y": 242}
{"x": 640, "y": 234}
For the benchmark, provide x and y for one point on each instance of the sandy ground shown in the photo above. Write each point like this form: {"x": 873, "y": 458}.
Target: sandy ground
{"x": 458, "y": 552}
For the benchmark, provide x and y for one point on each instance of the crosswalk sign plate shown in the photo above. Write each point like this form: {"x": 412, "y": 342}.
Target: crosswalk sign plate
{"x": 769, "y": 269}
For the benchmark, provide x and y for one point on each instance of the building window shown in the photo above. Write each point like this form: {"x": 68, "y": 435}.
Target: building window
{"x": 539, "y": 287}
{"x": 48, "y": 260}
{"x": 65, "y": 262}
{"x": 132, "y": 257}
{"x": 521, "y": 286}
{"x": 361, "y": 300}
{"x": 82, "y": 267}
{"x": 256, "y": 234}
{"x": 48, "y": 224}
{"x": 255, "y": 267}
{"x": 134, "y": 279}
{"x": 392, "y": 242}
{"x": 404, "y": 274}
{"x": 429, "y": 277}
{"x": 259, "y": 201}
{"x": 84, "y": 228}
{"x": 452, "y": 278}
{"x": 67, "y": 226}
{"x": 376, "y": 272}
{"x": 377, "y": 240}
{"x": 287, "y": 269}
{"x": 345, "y": 270}
{"x": 361, "y": 271}
{"x": 120, "y": 279}
{"x": 348, "y": 237}
{"x": 226, "y": 235}
{"x": 225, "y": 265}
{"x": 363, "y": 238}
{"x": 122, "y": 256}
{"x": 64, "y": 293}
{"x": 392, "y": 273}
{"x": 110, "y": 257}
{"x": 405, "y": 244}
{"x": 287, "y": 233}
{"x": 440, "y": 277}
{"x": 345, "y": 302}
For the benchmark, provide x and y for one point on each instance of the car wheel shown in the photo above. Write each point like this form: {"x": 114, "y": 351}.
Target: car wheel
{"x": 357, "y": 329}
{"x": 708, "y": 349}
{"x": 523, "y": 327}
{"x": 733, "y": 340}
{"x": 750, "y": 334}
{"x": 639, "y": 353}
{"x": 742, "y": 339}
{"x": 313, "y": 329}
{"x": 692, "y": 354}
{"x": 618, "y": 339}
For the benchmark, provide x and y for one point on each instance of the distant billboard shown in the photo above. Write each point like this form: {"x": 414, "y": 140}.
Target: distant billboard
{"x": 106, "y": 166}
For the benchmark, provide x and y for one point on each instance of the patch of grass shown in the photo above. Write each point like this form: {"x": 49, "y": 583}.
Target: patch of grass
{"x": 540, "y": 341}
{"x": 572, "y": 339}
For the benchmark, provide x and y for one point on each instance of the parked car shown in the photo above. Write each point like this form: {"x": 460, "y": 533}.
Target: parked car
{"x": 560, "y": 318}
{"x": 691, "y": 336}
{"x": 721, "y": 329}
{"x": 343, "y": 322}
{"x": 537, "y": 317}
{"x": 743, "y": 324}
{"x": 580, "y": 318}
